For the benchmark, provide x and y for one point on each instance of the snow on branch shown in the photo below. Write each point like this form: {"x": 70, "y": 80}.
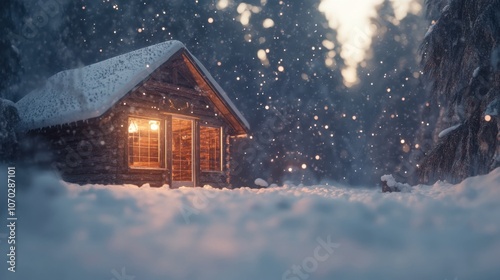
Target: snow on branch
{"x": 447, "y": 131}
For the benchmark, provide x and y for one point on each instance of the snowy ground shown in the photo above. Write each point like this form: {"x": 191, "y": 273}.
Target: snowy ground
{"x": 443, "y": 231}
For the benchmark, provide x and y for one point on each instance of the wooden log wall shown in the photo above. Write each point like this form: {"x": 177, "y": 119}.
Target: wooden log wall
{"x": 84, "y": 151}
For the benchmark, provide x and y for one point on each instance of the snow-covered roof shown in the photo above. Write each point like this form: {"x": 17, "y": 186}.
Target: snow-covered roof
{"x": 88, "y": 92}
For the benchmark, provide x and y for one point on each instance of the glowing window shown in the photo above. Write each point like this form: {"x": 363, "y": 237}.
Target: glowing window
{"x": 210, "y": 148}
{"x": 144, "y": 143}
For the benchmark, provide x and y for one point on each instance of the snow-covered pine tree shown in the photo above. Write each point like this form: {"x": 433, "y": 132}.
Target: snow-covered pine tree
{"x": 460, "y": 59}
{"x": 393, "y": 89}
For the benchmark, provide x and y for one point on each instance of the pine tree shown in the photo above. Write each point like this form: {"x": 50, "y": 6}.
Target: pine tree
{"x": 9, "y": 53}
{"x": 388, "y": 112}
{"x": 460, "y": 60}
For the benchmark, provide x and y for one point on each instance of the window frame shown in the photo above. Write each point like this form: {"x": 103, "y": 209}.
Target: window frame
{"x": 221, "y": 145}
{"x": 161, "y": 143}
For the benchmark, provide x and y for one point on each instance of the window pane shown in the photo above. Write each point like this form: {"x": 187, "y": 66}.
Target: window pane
{"x": 210, "y": 148}
{"x": 143, "y": 143}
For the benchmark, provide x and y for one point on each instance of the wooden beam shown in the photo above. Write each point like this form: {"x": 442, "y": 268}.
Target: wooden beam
{"x": 166, "y": 88}
{"x": 168, "y": 150}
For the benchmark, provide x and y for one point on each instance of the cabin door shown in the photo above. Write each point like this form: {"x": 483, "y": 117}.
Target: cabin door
{"x": 182, "y": 153}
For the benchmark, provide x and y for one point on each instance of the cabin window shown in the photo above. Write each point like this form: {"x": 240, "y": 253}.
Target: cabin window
{"x": 144, "y": 143}
{"x": 210, "y": 148}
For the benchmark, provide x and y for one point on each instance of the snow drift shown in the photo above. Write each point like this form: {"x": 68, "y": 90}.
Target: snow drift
{"x": 444, "y": 231}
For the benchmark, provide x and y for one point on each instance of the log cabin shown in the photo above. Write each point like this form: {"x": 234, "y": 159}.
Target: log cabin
{"x": 154, "y": 115}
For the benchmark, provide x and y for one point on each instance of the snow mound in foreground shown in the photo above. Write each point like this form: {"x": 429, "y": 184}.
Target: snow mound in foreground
{"x": 444, "y": 231}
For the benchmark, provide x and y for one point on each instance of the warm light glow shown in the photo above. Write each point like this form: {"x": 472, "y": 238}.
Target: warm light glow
{"x": 143, "y": 144}
{"x": 262, "y": 55}
{"x": 154, "y": 125}
{"x": 406, "y": 148}
{"x": 210, "y": 148}
{"x": 352, "y": 21}
{"x": 487, "y": 118}
{"x": 328, "y": 44}
{"x": 222, "y": 4}
{"x": 268, "y": 23}
{"x": 246, "y": 10}
{"x": 133, "y": 128}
